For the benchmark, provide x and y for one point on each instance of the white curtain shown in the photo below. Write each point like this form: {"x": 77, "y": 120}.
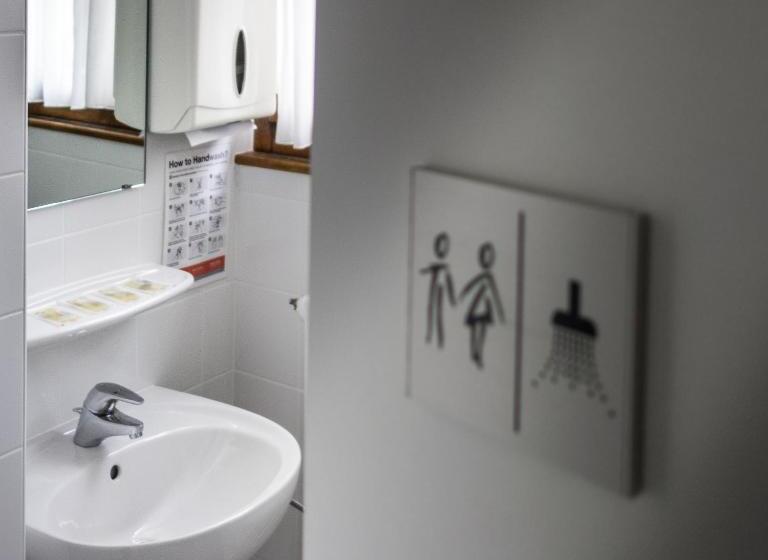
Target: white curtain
{"x": 71, "y": 52}
{"x": 296, "y": 72}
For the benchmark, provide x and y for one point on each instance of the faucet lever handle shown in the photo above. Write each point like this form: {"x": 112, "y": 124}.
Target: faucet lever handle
{"x": 105, "y": 395}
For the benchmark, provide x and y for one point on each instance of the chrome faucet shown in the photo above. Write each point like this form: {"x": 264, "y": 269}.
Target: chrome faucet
{"x": 100, "y": 418}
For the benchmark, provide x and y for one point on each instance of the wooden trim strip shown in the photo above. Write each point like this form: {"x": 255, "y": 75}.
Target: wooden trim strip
{"x": 274, "y": 161}
{"x": 97, "y": 117}
{"x": 68, "y": 127}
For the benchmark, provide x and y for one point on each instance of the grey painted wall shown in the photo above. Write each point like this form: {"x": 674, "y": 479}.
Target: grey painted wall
{"x": 660, "y": 106}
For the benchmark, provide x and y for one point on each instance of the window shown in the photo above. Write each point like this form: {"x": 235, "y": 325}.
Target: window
{"x": 282, "y": 141}
{"x": 267, "y": 152}
{"x": 70, "y": 80}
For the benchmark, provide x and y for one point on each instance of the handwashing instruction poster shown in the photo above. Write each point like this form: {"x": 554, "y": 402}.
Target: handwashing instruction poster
{"x": 197, "y": 207}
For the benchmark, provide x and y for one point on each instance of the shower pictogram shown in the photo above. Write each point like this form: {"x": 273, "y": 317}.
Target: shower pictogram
{"x": 572, "y": 356}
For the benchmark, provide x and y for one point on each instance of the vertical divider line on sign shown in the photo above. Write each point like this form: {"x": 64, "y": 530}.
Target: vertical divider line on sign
{"x": 410, "y": 283}
{"x": 520, "y": 292}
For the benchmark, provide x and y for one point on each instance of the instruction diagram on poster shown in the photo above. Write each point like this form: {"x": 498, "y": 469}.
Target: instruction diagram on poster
{"x": 197, "y": 207}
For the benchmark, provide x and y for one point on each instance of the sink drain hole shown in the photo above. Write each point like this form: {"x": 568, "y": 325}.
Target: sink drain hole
{"x": 114, "y": 472}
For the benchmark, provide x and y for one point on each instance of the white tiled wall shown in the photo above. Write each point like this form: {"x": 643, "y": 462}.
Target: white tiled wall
{"x": 12, "y": 206}
{"x": 185, "y": 344}
{"x": 163, "y": 346}
{"x": 237, "y": 340}
{"x": 72, "y": 241}
{"x": 270, "y": 263}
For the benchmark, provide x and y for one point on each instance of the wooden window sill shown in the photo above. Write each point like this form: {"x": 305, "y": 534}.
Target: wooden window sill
{"x": 96, "y": 123}
{"x": 87, "y": 130}
{"x": 278, "y": 162}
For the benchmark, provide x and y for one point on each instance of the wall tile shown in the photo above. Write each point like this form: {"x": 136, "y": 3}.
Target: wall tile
{"x": 281, "y": 184}
{"x": 100, "y": 250}
{"x": 277, "y": 402}
{"x": 151, "y": 237}
{"x": 103, "y": 234}
{"x": 221, "y": 388}
{"x": 268, "y": 335}
{"x": 45, "y": 268}
{"x": 12, "y": 506}
{"x": 11, "y": 382}
{"x": 218, "y": 329}
{"x": 100, "y": 210}
{"x": 152, "y": 198}
{"x": 13, "y": 15}
{"x": 272, "y": 242}
{"x": 59, "y": 376}
{"x": 12, "y": 102}
{"x": 170, "y": 344}
{"x": 285, "y": 542}
{"x": 12, "y": 241}
{"x": 44, "y": 224}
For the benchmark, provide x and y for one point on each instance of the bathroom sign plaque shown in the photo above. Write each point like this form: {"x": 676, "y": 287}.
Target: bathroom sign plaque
{"x": 522, "y": 318}
{"x": 196, "y": 209}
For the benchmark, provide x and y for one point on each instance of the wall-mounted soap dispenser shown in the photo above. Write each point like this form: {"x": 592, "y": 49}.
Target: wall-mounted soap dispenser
{"x": 211, "y": 62}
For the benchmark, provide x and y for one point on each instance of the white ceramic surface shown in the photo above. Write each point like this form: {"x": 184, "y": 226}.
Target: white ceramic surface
{"x": 207, "y": 480}
{"x": 40, "y": 332}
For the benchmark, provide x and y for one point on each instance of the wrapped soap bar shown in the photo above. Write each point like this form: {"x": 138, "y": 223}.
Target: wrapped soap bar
{"x": 120, "y": 295}
{"x": 57, "y": 316}
{"x": 89, "y": 305}
{"x": 146, "y": 286}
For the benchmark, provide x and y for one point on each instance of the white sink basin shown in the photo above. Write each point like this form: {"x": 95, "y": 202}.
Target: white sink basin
{"x": 207, "y": 481}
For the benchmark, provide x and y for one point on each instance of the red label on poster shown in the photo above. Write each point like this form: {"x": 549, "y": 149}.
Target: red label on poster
{"x": 203, "y": 269}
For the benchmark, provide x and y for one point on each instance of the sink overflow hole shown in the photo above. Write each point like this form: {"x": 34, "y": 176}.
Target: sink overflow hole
{"x": 114, "y": 472}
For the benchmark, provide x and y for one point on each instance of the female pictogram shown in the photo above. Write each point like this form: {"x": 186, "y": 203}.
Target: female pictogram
{"x": 485, "y": 306}
{"x": 440, "y": 288}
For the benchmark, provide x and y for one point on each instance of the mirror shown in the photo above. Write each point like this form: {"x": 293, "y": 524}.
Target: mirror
{"x": 86, "y": 93}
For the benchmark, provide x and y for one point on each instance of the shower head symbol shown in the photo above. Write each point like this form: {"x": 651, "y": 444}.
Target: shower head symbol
{"x": 572, "y": 356}
{"x": 572, "y": 318}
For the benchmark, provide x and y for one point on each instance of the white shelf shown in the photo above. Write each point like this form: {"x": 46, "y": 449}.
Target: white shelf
{"x": 84, "y": 307}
